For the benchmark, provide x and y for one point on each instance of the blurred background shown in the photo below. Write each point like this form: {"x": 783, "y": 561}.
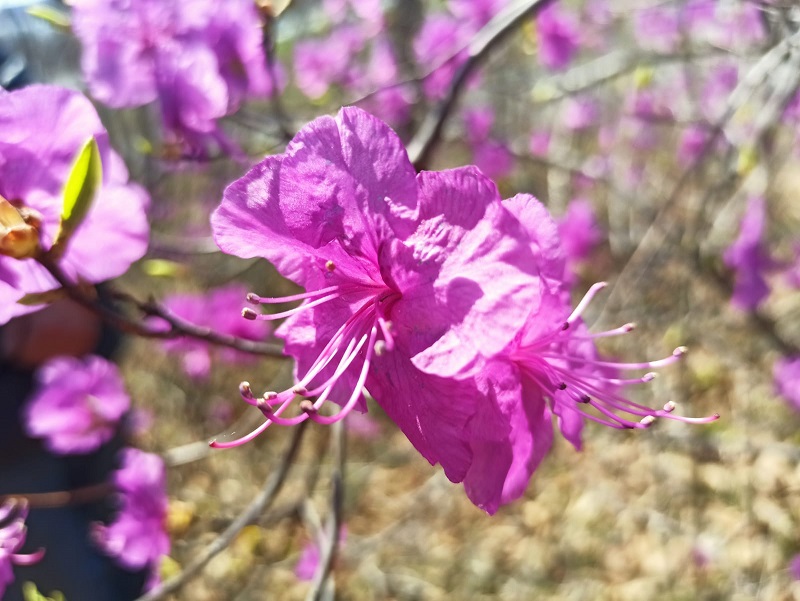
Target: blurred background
{"x": 651, "y": 130}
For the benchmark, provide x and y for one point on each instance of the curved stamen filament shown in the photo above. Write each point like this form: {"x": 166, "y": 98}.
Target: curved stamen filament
{"x": 587, "y": 298}
{"x": 255, "y": 299}
{"x": 250, "y": 314}
{"x": 676, "y": 355}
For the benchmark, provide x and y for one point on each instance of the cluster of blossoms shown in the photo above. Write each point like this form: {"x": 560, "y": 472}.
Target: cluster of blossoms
{"x": 445, "y": 302}
{"x": 77, "y": 404}
{"x": 44, "y": 128}
{"x": 12, "y": 539}
{"x": 198, "y": 58}
{"x": 137, "y": 538}
{"x": 211, "y": 310}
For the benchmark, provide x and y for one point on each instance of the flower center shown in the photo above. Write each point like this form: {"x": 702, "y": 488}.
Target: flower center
{"x": 367, "y": 332}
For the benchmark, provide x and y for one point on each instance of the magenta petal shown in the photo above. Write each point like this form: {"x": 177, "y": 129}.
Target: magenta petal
{"x": 469, "y": 264}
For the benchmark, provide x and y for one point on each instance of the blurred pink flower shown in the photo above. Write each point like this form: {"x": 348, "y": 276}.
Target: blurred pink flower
{"x": 786, "y": 375}
{"x": 579, "y": 230}
{"x": 749, "y": 258}
{"x": 76, "y": 405}
{"x": 137, "y": 538}
{"x": 44, "y": 128}
{"x": 309, "y": 559}
{"x": 558, "y": 37}
{"x": 12, "y": 538}
{"x": 198, "y": 58}
{"x": 220, "y": 311}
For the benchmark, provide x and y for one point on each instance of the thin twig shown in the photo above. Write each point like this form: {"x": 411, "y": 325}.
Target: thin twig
{"x": 63, "y": 498}
{"x": 177, "y": 327}
{"x": 488, "y": 37}
{"x": 334, "y": 526}
{"x": 251, "y": 513}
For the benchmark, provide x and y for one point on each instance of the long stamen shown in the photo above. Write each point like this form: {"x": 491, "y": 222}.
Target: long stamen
{"x": 676, "y": 355}
{"x": 587, "y": 298}
{"x": 248, "y": 313}
{"x": 255, "y": 299}
{"x": 628, "y": 327}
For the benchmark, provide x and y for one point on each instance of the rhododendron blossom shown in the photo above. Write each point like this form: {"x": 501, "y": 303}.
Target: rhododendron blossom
{"x": 216, "y": 310}
{"x": 44, "y": 128}
{"x": 402, "y": 272}
{"x": 198, "y": 58}
{"x": 137, "y": 538}
{"x": 786, "y": 374}
{"x": 551, "y": 367}
{"x": 12, "y": 538}
{"x": 749, "y": 257}
{"x": 77, "y": 404}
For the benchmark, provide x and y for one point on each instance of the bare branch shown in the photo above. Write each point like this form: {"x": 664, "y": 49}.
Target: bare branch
{"x": 488, "y": 37}
{"x": 250, "y": 515}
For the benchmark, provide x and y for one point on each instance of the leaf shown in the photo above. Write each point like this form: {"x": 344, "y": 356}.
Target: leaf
{"x": 52, "y": 15}
{"x": 79, "y": 193}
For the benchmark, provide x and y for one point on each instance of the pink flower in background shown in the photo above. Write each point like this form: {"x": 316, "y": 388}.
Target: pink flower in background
{"x": 198, "y": 58}
{"x": 579, "y": 114}
{"x": 539, "y": 143}
{"x": 693, "y": 140}
{"x": 325, "y": 62}
{"x": 219, "y": 310}
{"x": 475, "y": 13}
{"x": 440, "y": 40}
{"x": 579, "y": 232}
{"x": 12, "y": 539}
{"x": 786, "y": 374}
{"x": 749, "y": 258}
{"x": 76, "y": 405}
{"x": 658, "y": 28}
{"x": 308, "y": 562}
{"x": 44, "y": 128}
{"x": 404, "y": 273}
{"x": 558, "y": 35}
{"x": 490, "y": 156}
{"x": 137, "y": 538}
{"x": 794, "y": 567}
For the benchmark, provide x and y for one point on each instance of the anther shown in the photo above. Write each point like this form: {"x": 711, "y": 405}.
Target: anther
{"x": 585, "y": 398}
{"x": 249, "y": 314}
{"x": 300, "y": 390}
{"x": 246, "y": 391}
{"x": 270, "y": 395}
{"x": 307, "y": 406}
{"x": 649, "y": 377}
{"x": 681, "y": 350}
{"x": 670, "y": 407}
{"x": 647, "y": 420}
{"x": 629, "y": 327}
{"x": 330, "y": 266}
{"x": 380, "y": 348}
{"x": 565, "y": 326}
{"x": 263, "y": 405}
{"x": 253, "y": 298}
{"x": 562, "y": 386}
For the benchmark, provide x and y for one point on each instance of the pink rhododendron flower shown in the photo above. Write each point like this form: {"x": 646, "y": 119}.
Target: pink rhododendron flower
{"x": 579, "y": 113}
{"x": 77, "y": 404}
{"x": 440, "y": 39}
{"x": 794, "y": 567}
{"x": 539, "y": 143}
{"x": 404, "y": 273}
{"x": 324, "y": 62}
{"x": 44, "y": 128}
{"x": 309, "y": 559}
{"x": 749, "y": 258}
{"x": 658, "y": 28}
{"x": 786, "y": 374}
{"x": 489, "y": 155}
{"x": 217, "y": 310}
{"x": 579, "y": 233}
{"x": 137, "y": 538}
{"x": 551, "y": 368}
{"x": 12, "y": 538}
{"x": 558, "y": 37}
{"x": 198, "y": 58}
{"x": 693, "y": 140}
{"x": 475, "y": 13}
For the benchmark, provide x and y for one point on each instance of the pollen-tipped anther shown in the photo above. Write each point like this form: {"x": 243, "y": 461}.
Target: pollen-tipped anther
{"x": 647, "y": 420}
{"x": 248, "y": 313}
{"x": 253, "y": 298}
{"x": 649, "y": 377}
{"x": 562, "y": 386}
{"x": 330, "y": 266}
{"x": 307, "y": 406}
{"x": 380, "y": 348}
{"x": 270, "y": 395}
{"x": 246, "y": 391}
{"x": 681, "y": 350}
{"x": 670, "y": 407}
{"x": 300, "y": 390}
{"x": 629, "y": 327}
